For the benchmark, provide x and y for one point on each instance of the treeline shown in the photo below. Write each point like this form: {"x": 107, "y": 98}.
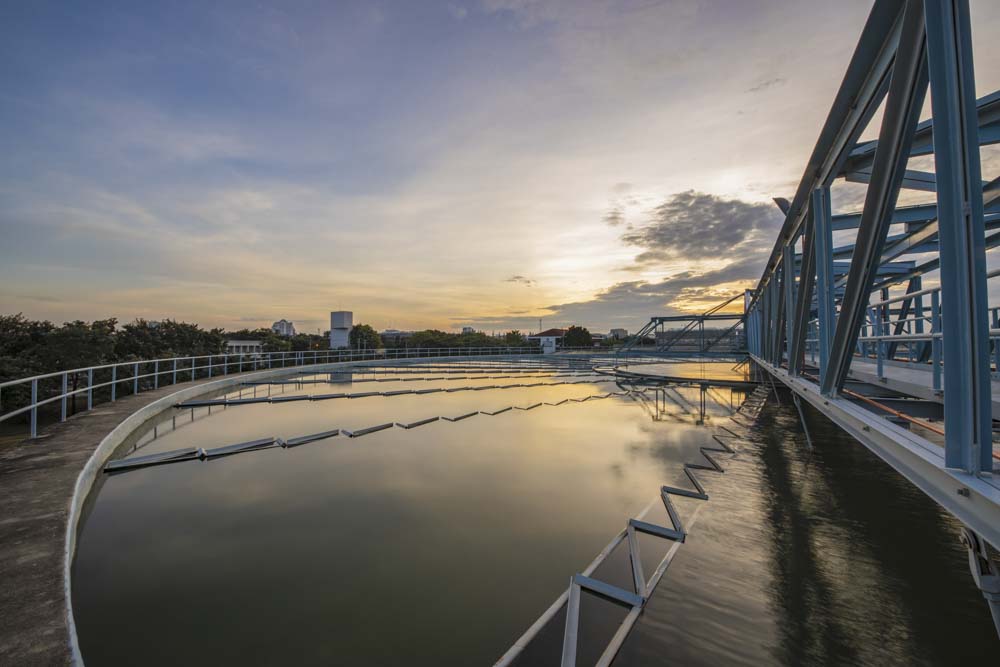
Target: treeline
{"x": 33, "y": 347}
{"x": 433, "y": 338}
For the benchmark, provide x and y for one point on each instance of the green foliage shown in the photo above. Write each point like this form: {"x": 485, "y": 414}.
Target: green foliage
{"x": 364, "y": 337}
{"x": 577, "y": 337}
{"x": 433, "y": 338}
{"x": 514, "y": 339}
{"x": 154, "y": 340}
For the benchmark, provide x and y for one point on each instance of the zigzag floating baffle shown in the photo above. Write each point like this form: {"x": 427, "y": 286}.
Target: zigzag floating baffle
{"x": 252, "y": 445}
{"x": 313, "y": 437}
{"x": 320, "y": 397}
{"x": 325, "y": 397}
{"x": 287, "y": 399}
{"x": 187, "y": 454}
{"x": 417, "y": 423}
{"x": 635, "y": 599}
{"x": 366, "y": 431}
{"x": 461, "y": 417}
{"x": 265, "y": 443}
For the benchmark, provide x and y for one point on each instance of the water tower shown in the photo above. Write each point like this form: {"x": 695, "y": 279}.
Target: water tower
{"x": 341, "y": 322}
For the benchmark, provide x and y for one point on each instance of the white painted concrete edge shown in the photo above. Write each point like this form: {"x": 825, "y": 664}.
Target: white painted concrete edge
{"x": 88, "y": 476}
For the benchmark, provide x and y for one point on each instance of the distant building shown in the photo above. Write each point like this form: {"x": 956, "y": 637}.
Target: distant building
{"x": 283, "y": 328}
{"x": 550, "y": 339}
{"x": 341, "y": 322}
{"x": 468, "y": 330}
{"x": 242, "y": 346}
{"x": 618, "y": 334}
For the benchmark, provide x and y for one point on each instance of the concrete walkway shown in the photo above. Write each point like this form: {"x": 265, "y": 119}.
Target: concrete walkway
{"x": 38, "y": 478}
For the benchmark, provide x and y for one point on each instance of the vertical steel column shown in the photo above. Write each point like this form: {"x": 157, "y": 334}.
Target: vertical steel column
{"x": 823, "y": 242}
{"x": 788, "y": 260}
{"x": 907, "y": 90}
{"x": 961, "y": 233}
{"x": 918, "y": 320}
{"x": 803, "y": 301}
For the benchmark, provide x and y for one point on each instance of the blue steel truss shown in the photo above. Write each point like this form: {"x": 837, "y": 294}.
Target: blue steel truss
{"x": 898, "y": 296}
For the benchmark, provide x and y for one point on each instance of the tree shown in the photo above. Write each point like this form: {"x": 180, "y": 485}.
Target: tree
{"x": 364, "y": 337}
{"x": 577, "y": 337}
{"x": 514, "y": 339}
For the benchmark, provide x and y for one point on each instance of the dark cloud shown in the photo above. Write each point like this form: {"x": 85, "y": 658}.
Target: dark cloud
{"x": 527, "y": 282}
{"x": 615, "y": 216}
{"x": 689, "y": 225}
{"x": 767, "y": 83}
{"x": 696, "y": 225}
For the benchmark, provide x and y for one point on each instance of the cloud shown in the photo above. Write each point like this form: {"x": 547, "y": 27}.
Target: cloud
{"x": 457, "y": 12}
{"x": 767, "y": 83}
{"x": 615, "y": 216}
{"x": 527, "y": 282}
{"x": 698, "y": 226}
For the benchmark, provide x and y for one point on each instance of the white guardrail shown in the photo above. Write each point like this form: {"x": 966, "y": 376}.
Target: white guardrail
{"x": 133, "y": 377}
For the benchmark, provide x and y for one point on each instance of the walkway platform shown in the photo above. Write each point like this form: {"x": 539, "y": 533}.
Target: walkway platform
{"x": 911, "y": 379}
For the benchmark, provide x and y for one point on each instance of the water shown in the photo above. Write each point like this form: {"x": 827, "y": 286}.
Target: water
{"x": 441, "y": 544}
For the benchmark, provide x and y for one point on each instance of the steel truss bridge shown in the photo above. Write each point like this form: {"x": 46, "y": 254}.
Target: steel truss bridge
{"x": 881, "y": 318}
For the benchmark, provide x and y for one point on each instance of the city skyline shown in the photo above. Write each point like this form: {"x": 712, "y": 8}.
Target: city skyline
{"x": 449, "y": 164}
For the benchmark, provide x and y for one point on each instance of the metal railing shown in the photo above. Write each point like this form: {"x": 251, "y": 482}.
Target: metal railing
{"x": 910, "y": 333}
{"x": 132, "y": 377}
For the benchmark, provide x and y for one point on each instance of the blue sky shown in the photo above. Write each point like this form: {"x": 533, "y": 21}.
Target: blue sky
{"x": 423, "y": 164}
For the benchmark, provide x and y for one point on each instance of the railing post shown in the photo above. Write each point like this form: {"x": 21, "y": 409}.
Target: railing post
{"x": 209, "y": 366}
{"x": 114, "y": 383}
{"x": 996, "y": 342}
{"x": 135, "y": 380}
{"x": 878, "y": 358}
{"x": 936, "y": 340}
{"x": 65, "y": 388}
{"x": 90, "y": 389}
{"x": 34, "y": 408}
{"x": 175, "y": 372}
{"x": 156, "y": 374}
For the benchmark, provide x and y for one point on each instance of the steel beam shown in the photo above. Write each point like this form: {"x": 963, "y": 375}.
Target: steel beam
{"x": 825, "y": 297}
{"x": 789, "y": 295}
{"x": 865, "y": 84}
{"x": 803, "y": 300}
{"x": 968, "y": 443}
{"x": 904, "y": 102}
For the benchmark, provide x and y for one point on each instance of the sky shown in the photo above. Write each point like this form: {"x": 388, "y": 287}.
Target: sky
{"x": 424, "y": 164}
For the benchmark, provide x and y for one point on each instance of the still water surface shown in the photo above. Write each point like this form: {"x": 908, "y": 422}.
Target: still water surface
{"x": 441, "y": 544}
